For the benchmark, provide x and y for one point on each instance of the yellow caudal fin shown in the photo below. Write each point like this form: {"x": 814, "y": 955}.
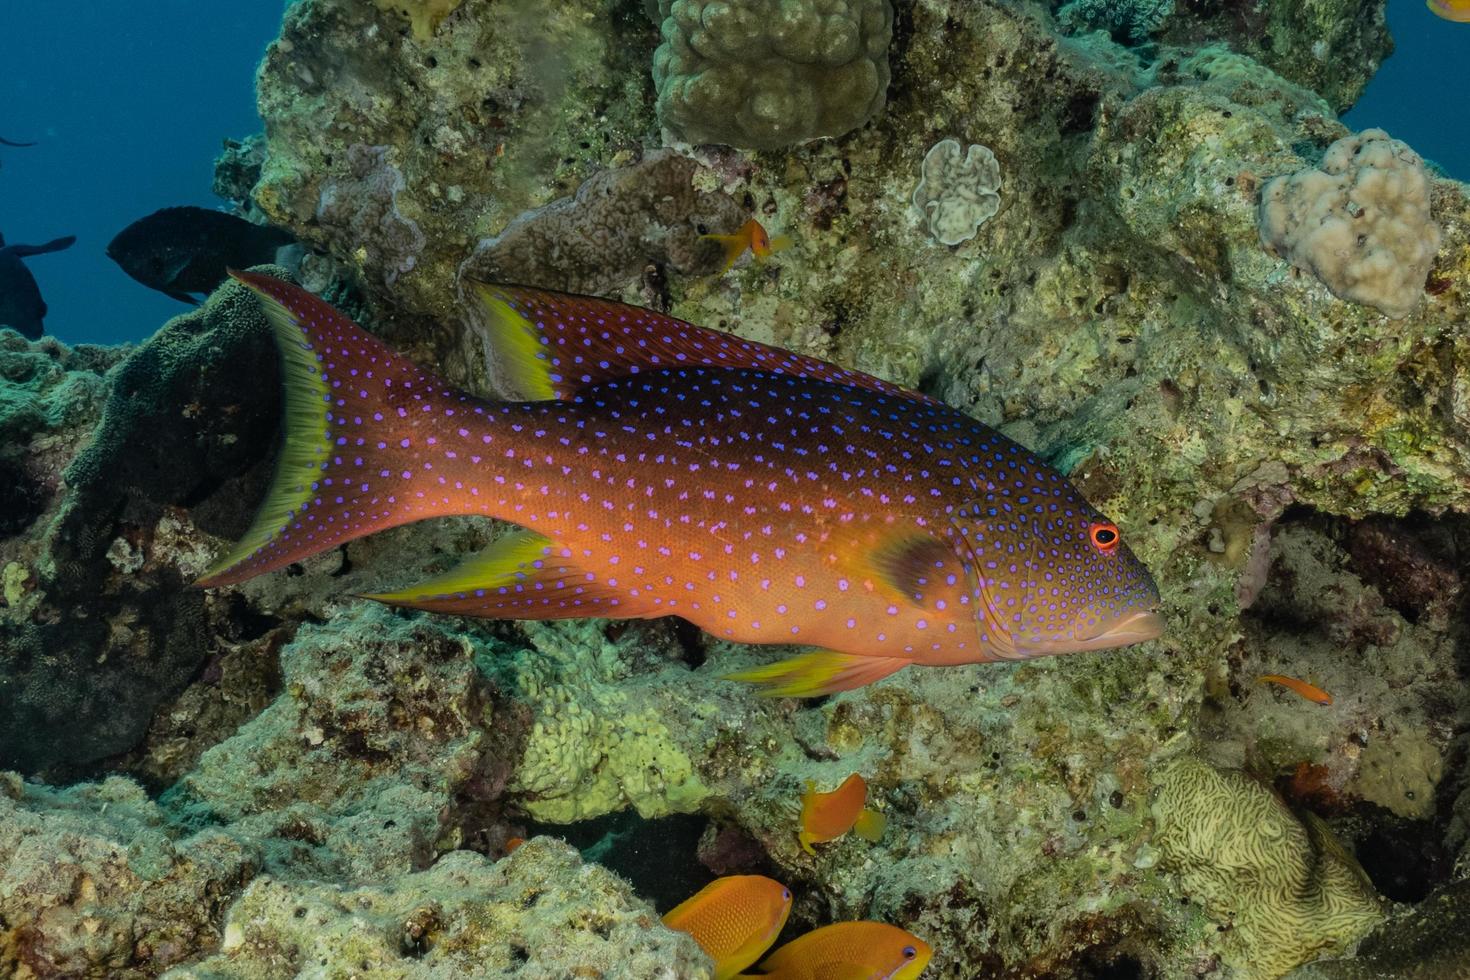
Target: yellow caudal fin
{"x": 522, "y": 359}
{"x": 780, "y": 242}
{"x": 521, "y": 576}
{"x": 811, "y": 675}
{"x": 870, "y": 825}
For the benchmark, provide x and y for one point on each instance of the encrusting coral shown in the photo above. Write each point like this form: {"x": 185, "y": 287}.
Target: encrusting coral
{"x": 959, "y": 190}
{"x": 1359, "y": 222}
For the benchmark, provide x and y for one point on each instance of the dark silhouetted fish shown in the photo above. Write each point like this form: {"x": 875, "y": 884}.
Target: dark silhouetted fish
{"x": 6, "y": 142}
{"x": 21, "y": 305}
{"x": 186, "y": 250}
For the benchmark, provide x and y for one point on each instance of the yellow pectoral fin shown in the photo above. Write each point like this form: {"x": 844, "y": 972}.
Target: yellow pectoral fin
{"x": 731, "y": 247}
{"x": 870, "y": 825}
{"x": 780, "y": 242}
{"x": 811, "y": 675}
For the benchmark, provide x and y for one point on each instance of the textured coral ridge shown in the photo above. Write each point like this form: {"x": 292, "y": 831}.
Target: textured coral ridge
{"x": 1289, "y": 464}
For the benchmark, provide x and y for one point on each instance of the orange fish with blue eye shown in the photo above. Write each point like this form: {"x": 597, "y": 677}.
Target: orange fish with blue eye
{"x": 733, "y": 919}
{"x": 849, "y": 951}
{"x": 750, "y": 237}
{"x": 655, "y": 468}
{"x": 1456, "y": 10}
{"x": 828, "y": 816}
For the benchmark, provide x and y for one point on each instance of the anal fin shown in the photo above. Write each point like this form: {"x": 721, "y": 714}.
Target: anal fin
{"x": 524, "y": 575}
{"x": 820, "y": 672}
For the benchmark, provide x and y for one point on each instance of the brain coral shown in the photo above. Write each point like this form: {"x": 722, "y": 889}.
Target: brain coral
{"x": 957, "y": 193}
{"x": 1360, "y": 223}
{"x": 764, "y": 74}
{"x": 1289, "y": 888}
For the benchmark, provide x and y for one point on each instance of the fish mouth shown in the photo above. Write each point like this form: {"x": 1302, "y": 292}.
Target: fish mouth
{"x": 1135, "y": 627}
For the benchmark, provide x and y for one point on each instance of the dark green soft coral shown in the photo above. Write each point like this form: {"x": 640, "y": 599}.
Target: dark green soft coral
{"x": 765, "y": 74}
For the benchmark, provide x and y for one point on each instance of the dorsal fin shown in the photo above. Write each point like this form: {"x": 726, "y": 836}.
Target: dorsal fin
{"x": 555, "y": 344}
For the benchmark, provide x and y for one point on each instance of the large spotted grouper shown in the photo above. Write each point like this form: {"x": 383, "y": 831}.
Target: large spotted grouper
{"x": 658, "y": 468}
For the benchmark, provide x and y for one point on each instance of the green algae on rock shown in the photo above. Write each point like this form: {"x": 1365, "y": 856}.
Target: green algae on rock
{"x": 1287, "y": 889}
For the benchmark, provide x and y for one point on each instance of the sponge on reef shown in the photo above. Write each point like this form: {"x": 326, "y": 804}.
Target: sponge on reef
{"x": 766, "y": 74}
{"x": 424, "y": 15}
{"x": 1360, "y": 222}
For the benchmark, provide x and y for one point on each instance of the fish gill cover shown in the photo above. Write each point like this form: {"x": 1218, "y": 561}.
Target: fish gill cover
{"x": 299, "y": 775}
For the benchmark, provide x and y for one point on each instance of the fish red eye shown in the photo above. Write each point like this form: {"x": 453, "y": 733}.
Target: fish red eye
{"x": 1104, "y": 537}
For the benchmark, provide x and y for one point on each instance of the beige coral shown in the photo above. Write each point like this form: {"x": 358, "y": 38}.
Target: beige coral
{"x": 1360, "y": 223}
{"x": 1289, "y": 889}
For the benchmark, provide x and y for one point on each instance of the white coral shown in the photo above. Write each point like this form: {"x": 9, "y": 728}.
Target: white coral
{"x": 1360, "y": 223}
{"x": 957, "y": 193}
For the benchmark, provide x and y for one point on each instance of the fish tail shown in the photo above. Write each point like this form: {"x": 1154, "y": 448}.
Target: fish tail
{"x": 364, "y": 432}
{"x": 870, "y": 825}
{"x": 731, "y": 247}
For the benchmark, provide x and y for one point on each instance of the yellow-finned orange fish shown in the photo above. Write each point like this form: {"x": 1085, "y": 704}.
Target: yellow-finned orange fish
{"x": 512, "y": 843}
{"x": 1309, "y": 691}
{"x": 658, "y": 468}
{"x": 734, "y": 919}
{"x": 1456, "y": 10}
{"x": 751, "y": 236}
{"x": 827, "y": 816}
{"x": 849, "y": 951}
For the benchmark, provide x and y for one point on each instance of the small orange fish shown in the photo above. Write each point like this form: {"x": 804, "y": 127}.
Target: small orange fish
{"x": 849, "y": 951}
{"x": 734, "y": 919}
{"x": 1309, "y": 691}
{"x": 751, "y": 236}
{"x": 513, "y": 843}
{"x": 827, "y": 816}
{"x": 1456, "y": 10}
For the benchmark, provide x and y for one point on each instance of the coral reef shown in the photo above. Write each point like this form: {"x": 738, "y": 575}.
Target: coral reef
{"x": 1360, "y": 222}
{"x": 424, "y": 16}
{"x": 1428, "y": 942}
{"x": 959, "y": 190}
{"x": 1289, "y": 464}
{"x": 618, "y": 222}
{"x": 1126, "y": 21}
{"x": 767, "y": 74}
{"x": 1288, "y": 890}
{"x": 538, "y": 914}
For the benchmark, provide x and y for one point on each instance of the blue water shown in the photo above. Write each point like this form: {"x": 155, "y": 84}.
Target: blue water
{"x": 129, "y": 103}
{"x": 130, "y": 109}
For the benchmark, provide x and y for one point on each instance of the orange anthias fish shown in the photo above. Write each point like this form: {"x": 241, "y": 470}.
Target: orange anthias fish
{"x": 849, "y": 951}
{"x": 734, "y": 919}
{"x": 1309, "y": 691}
{"x": 752, "y": 236}
{"x": 827, "y": 816}
{"x": 1456, "y": 10}
{"x": 658, "y": 468}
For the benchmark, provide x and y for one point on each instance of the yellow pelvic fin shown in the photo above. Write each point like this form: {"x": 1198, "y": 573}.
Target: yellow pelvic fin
{"x": 870, "y": 825}
{"x": 811, "y": 675}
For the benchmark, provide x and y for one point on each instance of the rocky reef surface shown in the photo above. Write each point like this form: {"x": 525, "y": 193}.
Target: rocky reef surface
{"x": 273, "y": 778}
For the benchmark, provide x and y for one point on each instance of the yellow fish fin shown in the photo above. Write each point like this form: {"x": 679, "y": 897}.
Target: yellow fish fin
{"x": 521, "y": 576}
{"x": 811, "y": 675}
{"x": 731, "y": 247}
{"x": 781, "y": 242}
{"x": 870, "y": 825}
{"x": 516, "y": 343}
